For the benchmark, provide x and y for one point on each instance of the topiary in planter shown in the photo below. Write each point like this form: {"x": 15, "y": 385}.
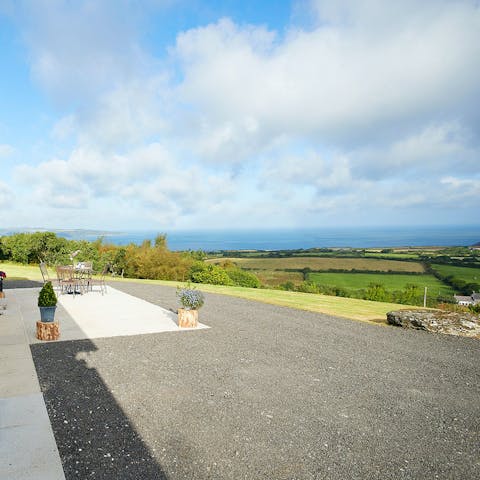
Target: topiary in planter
{"x": 47, "y": 297}
{"x": 47, "y": 302}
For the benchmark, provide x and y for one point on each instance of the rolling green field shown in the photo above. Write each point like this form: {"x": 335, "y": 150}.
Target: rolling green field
{"x": 319, "y": 263}
{"x": 357, "y": 281}
{"x": 469, "y": 275}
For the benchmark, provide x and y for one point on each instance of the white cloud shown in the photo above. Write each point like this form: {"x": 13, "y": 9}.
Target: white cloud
{"x": 148, "y": 176}
{"x": 333, "y": 83}
{"x": 375, "y": 104}
{"x": 462, "y": 189}
{"x": 6, "y": 150}
{"x": 80, "y": 49}
{"x": 127, "y": 115}
{"x": 323, "y": 174}
{"x": 6, "y": 195}
{"x": 430, "y": 152}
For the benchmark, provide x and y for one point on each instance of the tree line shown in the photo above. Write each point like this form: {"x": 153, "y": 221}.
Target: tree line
{"x": 150, "y": 260}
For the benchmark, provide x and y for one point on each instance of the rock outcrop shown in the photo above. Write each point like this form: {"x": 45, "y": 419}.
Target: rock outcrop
{"x": 437, "y": 321}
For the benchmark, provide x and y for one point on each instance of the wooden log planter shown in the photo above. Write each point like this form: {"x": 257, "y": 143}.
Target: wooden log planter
{"x": 48, "y": 330}
{"x": 187, "y": 318}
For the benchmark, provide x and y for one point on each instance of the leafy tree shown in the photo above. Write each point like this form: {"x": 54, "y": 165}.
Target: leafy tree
{"x": 161, "y": 241}
{"x": 120, "y": 260}
{"x": 305, "y": 272}
{"x": 18, "y": 247}
{"x": 47, "y": 247}
{"x": 199, "y": 255}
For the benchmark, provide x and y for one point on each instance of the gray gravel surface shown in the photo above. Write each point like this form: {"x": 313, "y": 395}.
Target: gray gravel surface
{"x": 266, "y": 393}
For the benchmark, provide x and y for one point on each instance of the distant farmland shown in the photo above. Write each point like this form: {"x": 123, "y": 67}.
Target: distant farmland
{"x": 468, "y": 274}
{"x": 357, "y": 281}
{"x": 325, "y": 264}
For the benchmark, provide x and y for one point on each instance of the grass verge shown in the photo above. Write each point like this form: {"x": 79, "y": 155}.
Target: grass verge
{"x": 351, "y": 308}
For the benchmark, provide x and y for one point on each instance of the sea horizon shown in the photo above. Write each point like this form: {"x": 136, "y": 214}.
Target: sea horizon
{"x": 285, "y": 238}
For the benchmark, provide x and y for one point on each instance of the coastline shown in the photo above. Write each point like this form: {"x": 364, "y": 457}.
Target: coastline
{"x": 285, "y": 239}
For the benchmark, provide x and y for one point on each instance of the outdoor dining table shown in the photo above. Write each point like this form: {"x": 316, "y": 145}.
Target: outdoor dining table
{"x": 75, "y": 278}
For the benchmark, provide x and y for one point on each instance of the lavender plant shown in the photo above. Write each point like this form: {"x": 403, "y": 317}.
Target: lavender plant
{"x": 190, "y": 299}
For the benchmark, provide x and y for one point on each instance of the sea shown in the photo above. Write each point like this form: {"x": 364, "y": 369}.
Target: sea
{"x": 295, "y": 238}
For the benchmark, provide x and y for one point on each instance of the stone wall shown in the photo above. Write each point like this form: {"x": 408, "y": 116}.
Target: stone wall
{"x": 437, "y": 321}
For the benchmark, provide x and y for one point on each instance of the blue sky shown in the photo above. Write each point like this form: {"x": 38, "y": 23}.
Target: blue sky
{"x": 178, "y": 114}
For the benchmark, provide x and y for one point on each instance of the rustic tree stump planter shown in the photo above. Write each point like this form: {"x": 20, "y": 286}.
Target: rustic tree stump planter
{"x": 48, "y": 330}
{"x": 187, "y": 318}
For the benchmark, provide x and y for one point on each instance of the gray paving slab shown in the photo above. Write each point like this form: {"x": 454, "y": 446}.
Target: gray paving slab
{"x": 17, "y": 377}
{"x": 27, "y": 446}
{"x": 29, "y": 451}
{"x": 12, "y": 332}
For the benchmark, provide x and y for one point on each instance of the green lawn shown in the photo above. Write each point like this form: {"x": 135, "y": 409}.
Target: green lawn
{"x": 363, "y": 310}
{"x": 17, "y": 271}
{"x": 469, "y": 275}
{"x": 357, "y": 281}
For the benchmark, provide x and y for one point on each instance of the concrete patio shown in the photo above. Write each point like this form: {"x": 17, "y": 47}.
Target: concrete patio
{"x": 27, "y": 444}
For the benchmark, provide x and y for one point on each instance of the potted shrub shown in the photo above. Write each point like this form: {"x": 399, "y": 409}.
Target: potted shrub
{"x": 190, "y": 300}
{"x": 47, "y": 302}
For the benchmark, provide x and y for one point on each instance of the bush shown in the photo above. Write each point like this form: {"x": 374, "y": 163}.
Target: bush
{"x": 410, "y": 295}
{"x": 308, "y": 287}
{"x": 376, "y": 292}
{"x": 241, "y": 278}
{"x": 208, "y": 273}
{"x": 47, "y": 297}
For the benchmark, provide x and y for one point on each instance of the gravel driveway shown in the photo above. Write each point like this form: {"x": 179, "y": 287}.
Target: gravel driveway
{"x": 266, "y": 393}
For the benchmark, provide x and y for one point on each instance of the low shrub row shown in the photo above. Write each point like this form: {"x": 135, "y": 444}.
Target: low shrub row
{"x": 409, "y": 295}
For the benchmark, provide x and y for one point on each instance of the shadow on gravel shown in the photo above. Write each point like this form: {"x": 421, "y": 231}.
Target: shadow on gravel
{"x": 95, "y": 438}
{"x": 21, "y": 284}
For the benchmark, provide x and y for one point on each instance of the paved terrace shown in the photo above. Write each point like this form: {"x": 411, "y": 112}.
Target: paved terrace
{"x": 265, "y": 393}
